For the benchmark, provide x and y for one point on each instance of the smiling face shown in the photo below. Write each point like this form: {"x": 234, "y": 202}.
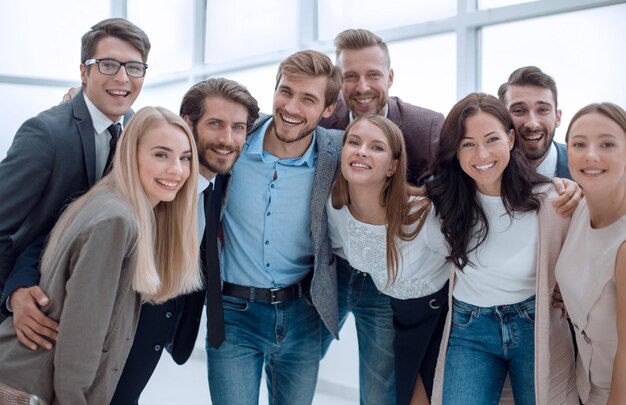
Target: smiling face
{"x": 113, "y": 95}
{"x": 163, "y": 160}
{"x": 299, "y": 107}
{"x": 366, "y": 156}
{"x": 484, "y": 152}
{"x": 535, "y": 118}
{"x": 220, "y": 134}
{"x": 596, "y": 152}
{"x": 366, "y": 80}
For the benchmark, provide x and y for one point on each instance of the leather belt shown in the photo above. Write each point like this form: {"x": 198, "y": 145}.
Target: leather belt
{"x": 269, "y": 295}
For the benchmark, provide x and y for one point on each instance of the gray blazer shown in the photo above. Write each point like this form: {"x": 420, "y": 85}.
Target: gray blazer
{"x": 51, "y": 161}
{"x": 89, "y": 282}
{"x": 324, "y": 283}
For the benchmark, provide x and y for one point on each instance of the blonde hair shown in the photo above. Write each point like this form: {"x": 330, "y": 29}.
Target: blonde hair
{"x": 167, "y": 243}
{"x": 402, "y": 207}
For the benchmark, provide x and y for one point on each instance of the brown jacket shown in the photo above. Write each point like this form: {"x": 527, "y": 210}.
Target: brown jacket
{"x": 420, "y": 128}
{"x": 555, "y": 377}
{"x": 88, "y": 282}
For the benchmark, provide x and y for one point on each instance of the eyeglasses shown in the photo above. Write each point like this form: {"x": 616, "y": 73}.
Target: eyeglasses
{"x": 112, "y": 66}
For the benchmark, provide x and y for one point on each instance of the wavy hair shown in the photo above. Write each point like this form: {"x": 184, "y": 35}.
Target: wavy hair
{"x": 167, "y": 243}
{"x": 453, "y": 192}
{"x": 402, "y": 208}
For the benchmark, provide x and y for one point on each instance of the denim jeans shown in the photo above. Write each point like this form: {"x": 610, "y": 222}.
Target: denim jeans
{"x": 284, "y": 337}
{"x": 485, "y": 344}
{"x": 374, "y": 325}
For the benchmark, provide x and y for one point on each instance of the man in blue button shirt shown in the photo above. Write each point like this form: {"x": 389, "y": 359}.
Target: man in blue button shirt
{"x": 276, "y": 260}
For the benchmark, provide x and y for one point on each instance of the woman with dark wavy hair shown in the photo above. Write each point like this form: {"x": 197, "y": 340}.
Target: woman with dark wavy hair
{"x": 504, "y": 237}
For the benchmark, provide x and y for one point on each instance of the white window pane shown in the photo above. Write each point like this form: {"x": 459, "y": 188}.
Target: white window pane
{"x": 168, "y": 96}
{"x": 587, "y": 68}
{"x": 425, "y": 71}
{"x": 260, "y": 82}
{"x": 336, "y": 16}
{"x": 42, "y": 38}
{"x": 21, "y": 103}
{"x": 169, "y": 25}
{"x": 237, "y": 29}
{"x": 484, "y": 4}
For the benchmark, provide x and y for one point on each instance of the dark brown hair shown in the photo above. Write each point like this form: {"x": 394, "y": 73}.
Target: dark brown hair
{"x": 453, "y": 192}
{"x": 119, "y": 28}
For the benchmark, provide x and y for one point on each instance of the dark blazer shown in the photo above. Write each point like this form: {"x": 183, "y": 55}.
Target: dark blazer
{"x": 562, "y": 169}
{"x": 187, "y": 331}
{"x": 173, "y": 325}
{"x": 421, "y": 128}
{"x": 50, "y": 162}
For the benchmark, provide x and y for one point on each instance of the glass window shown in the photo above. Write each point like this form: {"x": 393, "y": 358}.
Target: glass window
{"x": 168, "y": 96}
{"x": 238, "y": 29}
{"x": 260, "y": 82}
{"x": 336, "y": 16}
{"x": 169, "y": 25}
{"x": 23, "y": 102}
{"x": 42, "y": 38}
{"x": 587, "y": 68}
{"x": 484, "y": 4}
{"x": 425, "y": 71}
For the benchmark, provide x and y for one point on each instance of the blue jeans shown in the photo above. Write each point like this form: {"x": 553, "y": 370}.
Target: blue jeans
{"x": 485, "y": 344}
{"x": 374, "y": 325}
{"x": 285, "y": 337}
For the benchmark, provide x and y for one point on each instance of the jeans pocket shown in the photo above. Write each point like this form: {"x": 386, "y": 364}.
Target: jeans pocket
{"x": 234, "y": 303}
{"x": 461, "y": 316}
{"x": 528, "y": 314}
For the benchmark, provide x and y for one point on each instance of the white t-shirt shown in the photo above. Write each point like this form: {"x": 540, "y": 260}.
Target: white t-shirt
{"x": 422, "y": 269}
{"x": 505, "y": 265}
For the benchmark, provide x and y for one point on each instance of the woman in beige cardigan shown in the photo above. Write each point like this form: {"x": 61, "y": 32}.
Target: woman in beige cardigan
{"x": 504, "y": 239}
{"x": 131, "y": 238}
{"x": 591, "y": 269}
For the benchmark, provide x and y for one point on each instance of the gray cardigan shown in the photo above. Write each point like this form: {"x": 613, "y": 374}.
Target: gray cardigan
{"x": 88, "y": 282}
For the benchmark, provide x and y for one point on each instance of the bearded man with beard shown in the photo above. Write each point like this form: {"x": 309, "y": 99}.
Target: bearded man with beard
{"x": 366, "y": 72}
{"x": 530, "y": 96}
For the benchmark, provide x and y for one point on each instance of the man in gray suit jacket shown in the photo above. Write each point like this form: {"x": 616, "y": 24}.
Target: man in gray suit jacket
{"x": 59, "y": 154}
{"x": 279, "y": 282}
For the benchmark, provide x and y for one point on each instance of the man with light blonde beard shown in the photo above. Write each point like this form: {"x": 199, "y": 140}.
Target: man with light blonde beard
{"x": 364, "y": 61}
{"x": 530, "y": 96}
{"x": 365, "y": 65}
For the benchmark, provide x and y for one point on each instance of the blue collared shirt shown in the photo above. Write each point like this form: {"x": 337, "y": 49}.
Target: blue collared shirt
{"x": 267, "y": 221}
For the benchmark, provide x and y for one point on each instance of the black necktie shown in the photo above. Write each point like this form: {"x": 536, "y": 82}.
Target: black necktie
{"x": 215, "y": 309}
{"x": 114, "y": 130}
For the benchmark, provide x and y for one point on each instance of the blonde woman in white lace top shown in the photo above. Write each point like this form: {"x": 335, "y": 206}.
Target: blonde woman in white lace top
{"x": 381, "y": 228}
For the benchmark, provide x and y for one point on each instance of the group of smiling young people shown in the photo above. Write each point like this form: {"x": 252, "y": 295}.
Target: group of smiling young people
{"x": 477, "y": 263}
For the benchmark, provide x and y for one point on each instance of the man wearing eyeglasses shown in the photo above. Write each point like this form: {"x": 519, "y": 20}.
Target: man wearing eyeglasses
{"x": 59, "y": 154}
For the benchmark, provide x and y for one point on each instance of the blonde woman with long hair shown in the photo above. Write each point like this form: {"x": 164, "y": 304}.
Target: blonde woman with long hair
{"x": 131, "y": 239}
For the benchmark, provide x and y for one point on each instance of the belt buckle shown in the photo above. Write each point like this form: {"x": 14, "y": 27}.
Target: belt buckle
{"x": 273, "y": 298}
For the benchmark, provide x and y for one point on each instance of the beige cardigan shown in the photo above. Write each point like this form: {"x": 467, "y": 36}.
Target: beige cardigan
{"x": 88, "y": 282}
{"x": 555, "y": 376}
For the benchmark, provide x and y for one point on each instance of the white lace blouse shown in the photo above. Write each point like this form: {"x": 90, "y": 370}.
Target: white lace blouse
{"x": 422, "y": 269}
